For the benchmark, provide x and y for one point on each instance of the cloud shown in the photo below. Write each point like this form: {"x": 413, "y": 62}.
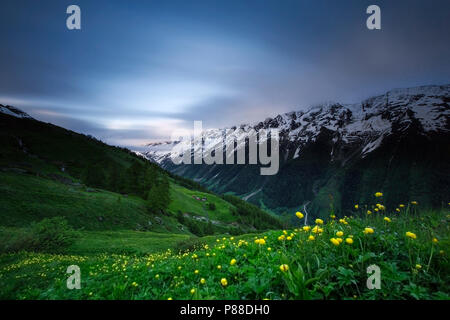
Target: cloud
{"x": 136, "y": 71}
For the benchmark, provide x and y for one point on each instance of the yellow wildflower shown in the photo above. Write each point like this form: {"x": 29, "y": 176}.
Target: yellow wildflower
{"x": 387, "y": 219}
{"x": 311, "y": 238}
{"x": 299, "y": 215}
{"x": 368, "y": 230}
{"x": 411, "y": 235}
{"x": 306, "y": 228}
{"x": 339, "y": 233}
{"x": 224, "y": 282}
{"x": 335, "y": 241}
{"x": 284, "y": 267}
{"x": 192, "y": 291}
{"x": 378, "y": 194}
{"x": 349, "y": 240}
{"x": 260, "y": 241}
{"x": 319, "y": 221}
{"x": 356, "y": 206}
{"x": 233, "y": 262}
{"x": 202, "y": 281}
{"x": 316, "y": 229}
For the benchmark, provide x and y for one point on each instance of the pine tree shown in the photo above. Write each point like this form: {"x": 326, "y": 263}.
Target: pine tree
{"x": 159, "y": 195}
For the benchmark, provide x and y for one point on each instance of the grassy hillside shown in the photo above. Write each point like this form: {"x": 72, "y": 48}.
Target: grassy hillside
{"x": 27, "y": 198}
{"x": 69, "y": 199}
{"x": 184, "y": 200}
{"x": 322, "y": 261}
{"x": 48, "y": 172}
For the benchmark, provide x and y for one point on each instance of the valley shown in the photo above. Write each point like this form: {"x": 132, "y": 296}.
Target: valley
{"x": 137, "y": 231}
{"x": 340, "y": 152}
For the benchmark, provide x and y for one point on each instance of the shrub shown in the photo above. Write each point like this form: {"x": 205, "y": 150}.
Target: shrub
{"x": 52, "y": 235}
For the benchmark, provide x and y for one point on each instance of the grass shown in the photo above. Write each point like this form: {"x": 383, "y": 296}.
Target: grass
{"x": 26, "y": 198}
{"x": 295, "y": 267}
{"x": 182, "y": 200}
{"x": 125, "y": 241}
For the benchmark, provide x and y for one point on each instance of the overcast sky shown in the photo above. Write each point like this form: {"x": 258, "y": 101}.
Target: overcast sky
{"x": 137, "y": 70}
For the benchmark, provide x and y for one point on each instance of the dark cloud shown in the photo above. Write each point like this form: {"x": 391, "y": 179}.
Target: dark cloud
{"x": 138, "y": 69}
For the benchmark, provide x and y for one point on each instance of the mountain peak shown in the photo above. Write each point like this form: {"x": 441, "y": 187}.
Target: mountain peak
{"x": 12, "y": 111}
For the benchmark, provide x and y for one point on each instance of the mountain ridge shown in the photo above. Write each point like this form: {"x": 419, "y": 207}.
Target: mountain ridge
{"x": 334, "y": 136}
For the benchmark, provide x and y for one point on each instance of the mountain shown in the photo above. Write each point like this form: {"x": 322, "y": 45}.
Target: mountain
{"x": 12, "y": 111}
{"x": 339, "y": 154}
{"x": 47, "y": 171}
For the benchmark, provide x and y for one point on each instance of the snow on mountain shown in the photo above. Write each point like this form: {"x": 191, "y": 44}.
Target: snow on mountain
{"x": 9, "y": 110}
{"x": 366, "y": 123}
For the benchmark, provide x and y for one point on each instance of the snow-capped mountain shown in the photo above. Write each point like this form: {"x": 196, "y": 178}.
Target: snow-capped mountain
{"x": 349, "y": 141}
{"x": 366, "y": 123}
{"x": 12, "y": 111}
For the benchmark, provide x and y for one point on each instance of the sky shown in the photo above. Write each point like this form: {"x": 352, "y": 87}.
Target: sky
{"x": 138, "y": 70}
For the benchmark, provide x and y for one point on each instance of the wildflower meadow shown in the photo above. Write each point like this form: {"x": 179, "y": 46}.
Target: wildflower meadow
{"x": 325, "y": 260}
